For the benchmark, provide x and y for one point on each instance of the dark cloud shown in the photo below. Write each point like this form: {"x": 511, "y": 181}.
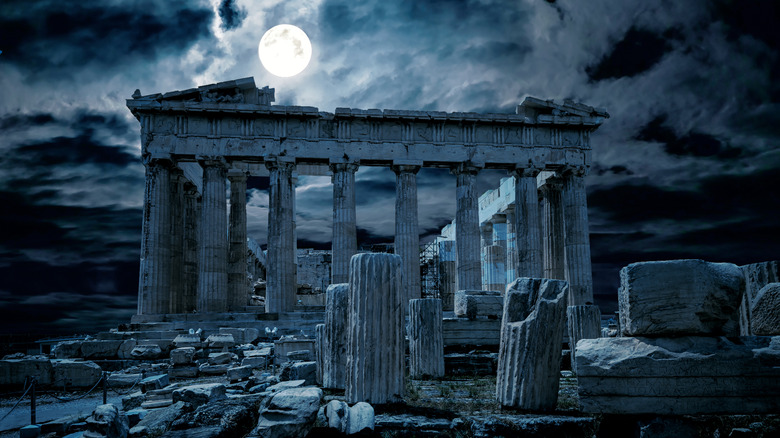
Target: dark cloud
{"x": 231, "y": 15}
{"x": 638, "y": 51}
{"x": 52, "y": 35}
{"x": 80, "y": 149}
{"x": 694, "y": 144}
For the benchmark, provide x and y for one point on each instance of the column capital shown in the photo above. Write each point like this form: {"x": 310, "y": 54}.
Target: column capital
{"x": 574, "y": 171}
{"x": 344, "y": 167}
{"x": 467, "y": 167}
{"x": 237, "y": 174}
{"x": 279, "y": 163}
{"x": 405, "y": 168}
{"x": 212, "y": 161}
{"x": 551, "y": 183}
{"x": 526, "y": 172}
{"x": 163, "y": 160}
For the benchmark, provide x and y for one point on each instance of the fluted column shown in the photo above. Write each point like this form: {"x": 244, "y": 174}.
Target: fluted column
{"x": 496, "y": 255}
{"x": 529, "y": 246}
{"x": 280, "y": 271}
{"x": 552, "y": 229}
{"x": 485, "y": 242}
{"x": 426, "y": 345}
{"x": 191, "y": 217}
{"x": 511, "y": 245}
{"x": 238, "y": 285}
{"x": 447, "y": 274}
{"x": 155, "y": 275}
{"x": 407, "y": 236}
{"x": 177, "y": 241}
{"x": 212, "y": 275}
{"x": 467, "y": 229}
{"x": 344, "y": 241}
{"x": 576, "y": 237}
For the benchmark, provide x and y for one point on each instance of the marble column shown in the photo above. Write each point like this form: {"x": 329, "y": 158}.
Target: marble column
{"x": 407, "y": 236}
{"x": 552, "y": 229}
{"x": 154, "y": 281}
{"x": 238, "y": 284}
{"x": 467, "y": 229}
{"x": 426, "y": 344}
{"x": 448, "y": 273}
{"x": 497, "y": 256}
{"x": 511, "y": 244}
{"x": 191, "y": 217}
{"x": 485, "y": 242}
{"x": 280, "y": 272}
{"x": 344, "y": 239}
{"x": 529, "y": 246}
{"x": 576, "y": 237}
{"x": 177, "y": 241}
{"x": 212, "y": 274}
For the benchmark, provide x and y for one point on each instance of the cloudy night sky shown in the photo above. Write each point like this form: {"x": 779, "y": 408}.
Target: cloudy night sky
{"x": 688, "y": 165}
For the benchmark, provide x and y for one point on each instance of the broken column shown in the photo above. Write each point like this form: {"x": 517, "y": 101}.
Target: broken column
{"x": 155, "y": 274}
{"x": 336, "y": 336}
{"x": 426, "y": 345}
{"x": 375, "y": 350}
{"x": 319, "y": 350}
{"x": 191, "y": 218}
{"x": 527, "y": 230}
{"x": 529, "y": 357}
{"x": 212, "y": 277}
{"x": 584, "y": 323}
{"x": 407, "y": 236}
{"x": 344, "y": 244}
{"x": 757, "y": 276}
{"x": 467, "y": 228}
{"x": 238, "y": 284}
{"x": 280, "y": 270}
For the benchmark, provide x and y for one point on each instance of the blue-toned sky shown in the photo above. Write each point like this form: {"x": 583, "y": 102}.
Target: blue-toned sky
{"x": 688, "y": 166}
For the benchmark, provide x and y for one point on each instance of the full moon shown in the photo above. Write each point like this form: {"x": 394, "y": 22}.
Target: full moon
{"x": 284, "y": 50}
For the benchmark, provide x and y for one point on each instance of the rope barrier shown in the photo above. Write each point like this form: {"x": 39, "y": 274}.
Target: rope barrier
{"x": 18, "y": 401}
{"x": 76, "y": 398}
{"x": 125, "y": 392}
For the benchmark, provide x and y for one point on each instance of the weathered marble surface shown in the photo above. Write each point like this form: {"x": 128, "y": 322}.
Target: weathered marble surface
{"x": 680, "y": 297}
{"x": 426, "y": 345}
{"x": 474, "y": 303}
{"x": 682, "y": 376}
{"x": 584, "y": 323}
{"x": 757, "y": 275}
{"x": 375, "y": 347}
{"x": 336, "y": 335}
{"x": 765, "y": 311}
{"x": 290, "y": 413}
{"x": 529, "y": 359}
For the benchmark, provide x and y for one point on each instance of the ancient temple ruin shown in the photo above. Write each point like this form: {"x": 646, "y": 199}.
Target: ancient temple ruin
{"x": 195, "y": 140}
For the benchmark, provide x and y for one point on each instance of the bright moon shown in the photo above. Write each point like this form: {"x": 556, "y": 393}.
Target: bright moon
{"x": 284, "y": 50}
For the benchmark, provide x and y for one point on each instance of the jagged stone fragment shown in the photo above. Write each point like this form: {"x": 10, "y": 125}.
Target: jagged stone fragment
{"x": 766, "y": 311}
{"x": 290, "y": 413}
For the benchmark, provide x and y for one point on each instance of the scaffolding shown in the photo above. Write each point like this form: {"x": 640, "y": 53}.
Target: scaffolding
{"x": 429, "y": 270}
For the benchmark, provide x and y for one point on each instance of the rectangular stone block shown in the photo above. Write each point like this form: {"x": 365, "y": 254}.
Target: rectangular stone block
{"x": 284, "y": 346}
{"x": 459, "y": 331}
{"x": 680, "y": 297}
{"x": 15, "y": 371}
{"x": 75, "y": 373}
{"x": 680, "y": 376}
{"x": 241, "y": 335}
{"x": 474, "y": 303}
{"x": 94, "y": 349}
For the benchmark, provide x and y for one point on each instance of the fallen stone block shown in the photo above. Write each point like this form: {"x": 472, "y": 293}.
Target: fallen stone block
{"x": 31, "y": 431}
{"x": 220, "y": 341}
{"x": 255, "y": 362}
{"x": 262, "y": 352}
{"x": 236, "y": 374}
{"x": 125, "y": 349}
{"x": 136, "y": 415}
{"x": 197, "y": 395}
{"x": 67, "y": 350}
{"x": 95, "y": 349}
{"x": 187, "y": 371}
{"x": 474, "y": 303}
{"x": 16, "y": 371}
{"x": 305, "y": 355}
{"x": 157, "y": 421}
{"x": 766, "y": 311}
{"x": 284, "y": 346}
{"x": 59, "y": 426}
{"x": 146, "y": 352}
{"x": 123, "y": 380}
{"x": 107, "y": 421}
{"x": 133, "y": 400}
{"x": 154, "y": 382}
{"x": 306, "y": 371}
{"x": 75, "y": 373}
{"x": 679, "y": 376}
{"x": 281, "y": 386}
{"x": 223, "y": 418}
{"x": 290, "y": 413}
{"x": 222, "y": 358}
{"x": 241, "y": 335}
{"x": 680, "y": 297}
{"x": 182, "y": 356}
{"x": 213, "y": 370}
{"x": 529, "y": 359}
{"x": 187, "y": 340}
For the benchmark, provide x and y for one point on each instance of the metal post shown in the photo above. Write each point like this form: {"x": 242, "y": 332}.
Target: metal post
{"x": 32, "y": 400}
{"x": 105, "y": 387}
